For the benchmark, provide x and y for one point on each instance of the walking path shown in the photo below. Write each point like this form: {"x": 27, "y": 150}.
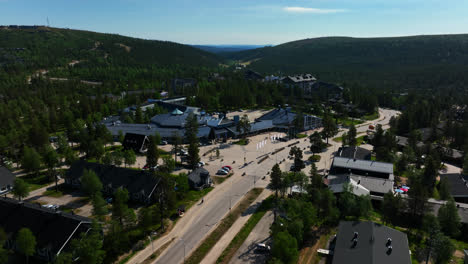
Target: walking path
{"x": 224, "y": 241}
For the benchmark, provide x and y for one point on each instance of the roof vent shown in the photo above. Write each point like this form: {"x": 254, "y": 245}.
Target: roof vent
{"x": 354, "y": 242}
{"x": 355, "y": 236}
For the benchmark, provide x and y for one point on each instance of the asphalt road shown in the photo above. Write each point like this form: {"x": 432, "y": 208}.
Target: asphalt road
{"x": 248, "y": 252}
{"x": 204, "y": 217}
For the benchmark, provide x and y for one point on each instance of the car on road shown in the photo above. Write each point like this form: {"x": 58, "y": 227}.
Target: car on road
{"x": 222, "y": 172}
{"x": 227, "y": 167}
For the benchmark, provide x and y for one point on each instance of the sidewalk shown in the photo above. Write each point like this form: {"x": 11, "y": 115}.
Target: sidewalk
{"x": 216, "y": 251}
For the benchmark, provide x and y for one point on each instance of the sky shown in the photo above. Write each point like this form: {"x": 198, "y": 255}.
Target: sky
{"x": 257, "y": 22}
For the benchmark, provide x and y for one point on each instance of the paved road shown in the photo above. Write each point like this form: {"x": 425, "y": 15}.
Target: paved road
{"x": 200, "y": 220}
{"x": 248, "y": 252}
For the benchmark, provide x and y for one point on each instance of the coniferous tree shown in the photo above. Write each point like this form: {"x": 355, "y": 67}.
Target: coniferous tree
{"x": 449, "y": 219}
{"x": 152, "y": 154}
{"x": 191, "y": 131}
{"x": 51, "y": 159}
{"x": 329, "y": 127}
{"x": 352, "y": 136}
{"x": 26, "y": 243}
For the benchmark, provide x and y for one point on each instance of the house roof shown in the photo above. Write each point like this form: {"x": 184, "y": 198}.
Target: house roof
{"x": 254, "y": 127}
{"x": 337, "y": 182}
{"x": 354, "y": 153}
{"x": 373, "y": 184}
{"x": 135, "y": 181}
{"x": 151, "y": 129}
{"x": 6, "y": 177}
{"x": 371, "y": 246}
{"x": 458, "y": 184}
{"x": 195, "y": 175}
{"x": 366, "y": 165}
{"x": 52, "y": 229}
{"x": 279, "y": 116}
{"x": 302, "y": 78}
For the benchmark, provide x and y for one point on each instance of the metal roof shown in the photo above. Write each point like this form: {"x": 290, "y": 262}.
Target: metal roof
{"x": 371, "y": 244}
{"x": 366, "y": 165}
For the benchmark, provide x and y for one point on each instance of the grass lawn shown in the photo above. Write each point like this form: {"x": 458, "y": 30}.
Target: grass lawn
{"x": 315, "y": 158}
{"x": 241, "y": 142}
{"x": 36, "y": 182}
{"x": 239, "y": 239}
{"x": 371, "y": 116}
{"x": 301, "y": 136}
{"x": 359, "y": 140}
{"x": 348, "y": 122}
{"x": 200, "y": 252}
{"x": 192, "y": 197}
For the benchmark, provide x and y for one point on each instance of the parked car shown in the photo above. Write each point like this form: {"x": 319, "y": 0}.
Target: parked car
{"x": 227, "y": 166}
{"x": 222, "y": 172}
{"x": 51, "y": 206}
{"x": 263, "y": 248}
{"x": 147, "y": 167}
{"x": 200, "y": 164}
{"x": 164, "y": 142}
{"x": 183, "y": 152}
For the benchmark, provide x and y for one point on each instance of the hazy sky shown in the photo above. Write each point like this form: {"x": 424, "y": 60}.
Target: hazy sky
{"x": 243, "y": 21}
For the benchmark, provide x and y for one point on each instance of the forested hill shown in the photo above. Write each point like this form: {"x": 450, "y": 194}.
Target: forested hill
{"x": 42, "y": 47}
{"x": 398, "y": 62}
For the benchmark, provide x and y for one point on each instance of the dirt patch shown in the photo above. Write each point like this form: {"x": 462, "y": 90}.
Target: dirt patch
{"x": 127, "y": 48}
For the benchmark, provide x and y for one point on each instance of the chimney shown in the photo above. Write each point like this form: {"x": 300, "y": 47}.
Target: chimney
{"x": 354, "y": 242}
{"x": 389, "y": 250}
{"x": 356, "y": 234}
{"x": 389, "y": 242}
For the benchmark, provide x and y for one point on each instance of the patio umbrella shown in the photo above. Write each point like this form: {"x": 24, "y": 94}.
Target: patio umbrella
{"x": 399, "y": 191}
{"x": 405, "y": 187}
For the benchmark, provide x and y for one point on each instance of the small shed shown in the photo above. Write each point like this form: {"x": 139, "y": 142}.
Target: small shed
{"x": 199, "y": 179}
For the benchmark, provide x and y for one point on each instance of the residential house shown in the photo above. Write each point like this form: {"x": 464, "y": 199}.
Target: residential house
{"x": 7, "y": 179}
{"x": 141, "y": 185}
{"x": 199, "y": 179}
{"x": 372, "y": 177}
{"x": 370, "y": 243}
{"x": 54, "y": 230}
{"x": 136, "y": 142}
{"x": 458, "y": 186}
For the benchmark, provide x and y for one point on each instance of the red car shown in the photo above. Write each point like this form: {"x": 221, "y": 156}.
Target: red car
{"x": 227, "y": 166}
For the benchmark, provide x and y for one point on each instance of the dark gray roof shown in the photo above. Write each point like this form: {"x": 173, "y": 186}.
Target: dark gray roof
{"x": 254, "y": 127}
{"x": 458, "y": 184}
{"x": 354, "y": 153}
{"x": 301, "y": 78}
{"x": 195, "y": 175}
{"x": 135, "y": 142}
{"x": 51, "y": 229}
{"x": 6, "y": 178}
{"x": 151, "y": 129}
{"x": 279, "y": 116}
{"x": 135, "y": 181}
{"x": 365, "y": 165}
{"x": 373, "y": 184}
{"x": 371, "y": 246}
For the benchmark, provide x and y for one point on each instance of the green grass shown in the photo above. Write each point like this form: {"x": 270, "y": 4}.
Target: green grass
{"x": 239, "y": 239}
{"x": 315, "y": 158}
{"x": 206, "y": 245}
{"x": 348, "y": 122}
{"x": 53, "y": 193}
{"x": 241, "y": 142}
{"x": 371, "y": 116}
{"x": 359, "y": 140}
{"x": 36, "y": 182}
{"x": 301, "y": 136}
{"x": 192, "y": 197}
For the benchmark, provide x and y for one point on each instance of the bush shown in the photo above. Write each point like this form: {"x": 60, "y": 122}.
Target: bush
{"x": 315, "y": 158}
{"x": 301, "y": 135}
